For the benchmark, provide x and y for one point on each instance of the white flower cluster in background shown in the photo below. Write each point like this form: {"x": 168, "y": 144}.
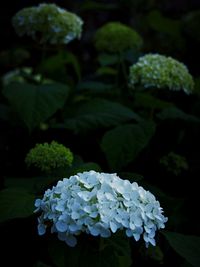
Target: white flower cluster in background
{"x": 154, "y": 70}
{"x": 20, "y": 75}
{"x": 48, "y": 23}
{"x": 99, "y": 204}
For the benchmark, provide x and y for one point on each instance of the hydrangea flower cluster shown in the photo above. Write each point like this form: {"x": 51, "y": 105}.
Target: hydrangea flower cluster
{"x": 48, "y": 23}
{"x": 21, "y": 75}
{"x": 48, "y": 157}
{"x": 99, "y": 204}
{"x": 116, "y": 37}
{"x": 154, "y": 70}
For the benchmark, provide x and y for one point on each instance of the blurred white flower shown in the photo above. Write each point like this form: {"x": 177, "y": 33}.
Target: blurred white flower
{"x": 48, "y": 23}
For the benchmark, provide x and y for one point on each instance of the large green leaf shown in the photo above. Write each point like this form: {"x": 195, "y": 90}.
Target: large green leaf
{"x": 98, "y": 113}
{"x": 122, "y": 144}
{"x": 108, "y": 59}
{"x": 164, "y": 24}
{"x": 36, "y": 103}
{"x": 55, "y": 66}
{"x": 32, "y": 185}
{"x": 167, "y": 29}
{"x": 15, "y": 203}
{"x": 148, "y": 101}
{"x": 186, "y": 245}
{"x": 94, "y": 87}
{"x": 176, "y": 113}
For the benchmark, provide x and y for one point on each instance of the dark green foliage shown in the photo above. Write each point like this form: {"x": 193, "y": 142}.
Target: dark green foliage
{"x": 15, "y": 203}
{"x": 80, "y": 97}
{"x": 36, "y": 103}
{"x": 186, "y": 245}
{"x": 122, "y": 144}
{"x": 176, "y": 114}
{"x": 89, "y": 252}
{"x": 97, "y": 113}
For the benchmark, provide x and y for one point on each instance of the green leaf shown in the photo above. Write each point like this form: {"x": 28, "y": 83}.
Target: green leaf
{"x": 108, "y": 59}
{"x": 170, "y": 29}
{"x": 185, "y": 245}
{"x": 176, "y": 113}
{"x": 32, "y": 185}
{"x": 56, "y": 65}
{"x": 155, "y": 253}
{"x": 73, "y": 61}
{"x": 94, "y": 87}
{"x": 148, "y": 101}
{"x": 122, "y": 144}
{"x": 106, "y": 71}
{"x": 15, "y": 203}
{"x": 120, "y": 247}
{"x": 36, "y": 103}
{"x": 164, "y": 24}
{"x": 98, "y": 113}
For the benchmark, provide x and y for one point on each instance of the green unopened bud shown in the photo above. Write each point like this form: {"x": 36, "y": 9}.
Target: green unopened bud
{"x": 49, "y": 157}
{"x": 116, "y": 37}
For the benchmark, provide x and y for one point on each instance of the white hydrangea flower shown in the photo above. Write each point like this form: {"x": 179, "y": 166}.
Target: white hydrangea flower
{"x": 99, "y": 204}
{"x": 154, "y": 70}
{"x": 48, "y": 23}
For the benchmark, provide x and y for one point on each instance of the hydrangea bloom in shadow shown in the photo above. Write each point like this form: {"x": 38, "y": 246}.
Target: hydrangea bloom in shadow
{"x": 99, "y": 204}
{"x": 48, "y": 23}
{"x": 154, "y": 70}
{"x": 21, "y": 75}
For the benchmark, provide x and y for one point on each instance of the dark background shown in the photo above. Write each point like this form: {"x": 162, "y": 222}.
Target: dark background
{"x": 183, "y": 46}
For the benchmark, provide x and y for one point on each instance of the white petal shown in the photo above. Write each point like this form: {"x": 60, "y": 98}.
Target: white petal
{"x": 38, "y": 203}
{"x": 75, "y": 215}
{"x": 41, "y": 229}
{"x": 94, "y": 230}
{"x": 61, "y": 226}
{"x": 113, "y": 227}
{"x": 71, "y": 240}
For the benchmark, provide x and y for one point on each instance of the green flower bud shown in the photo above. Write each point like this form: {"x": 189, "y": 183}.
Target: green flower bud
{"x": 116, "y": 37}
{"x": 174, "y": 163}
{"x": 48, "y": 23}
{"x": 154, "y": 70}
{"x": 49, "y": 157}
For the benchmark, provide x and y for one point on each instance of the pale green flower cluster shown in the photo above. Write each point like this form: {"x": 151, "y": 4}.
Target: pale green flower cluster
{"x": 99, "y": 204}
{"x": 49, "y": 157}
{"x": 48, "y": 23}
{"x": 21, "y": 75}
{"x": 154, "y": 70}
{"x": 116, "y": 37}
